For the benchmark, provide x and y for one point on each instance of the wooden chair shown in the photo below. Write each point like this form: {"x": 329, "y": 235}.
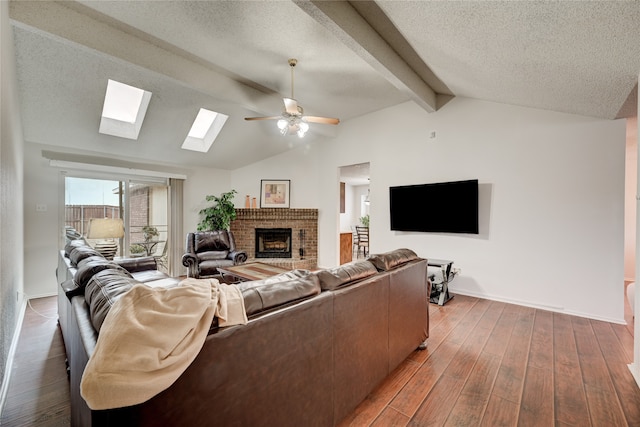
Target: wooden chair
{"x": 354, "y": 239}
{"x": 363, "y": 240}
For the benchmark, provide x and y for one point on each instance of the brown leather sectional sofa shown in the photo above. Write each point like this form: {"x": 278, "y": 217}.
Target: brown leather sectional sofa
{"x": 316, "y": 344}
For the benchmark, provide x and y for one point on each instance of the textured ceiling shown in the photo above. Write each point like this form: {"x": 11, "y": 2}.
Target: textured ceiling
{"x": 354, "y": 58}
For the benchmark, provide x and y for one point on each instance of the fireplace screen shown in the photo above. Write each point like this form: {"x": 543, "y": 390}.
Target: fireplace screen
{"x": 273, "y": 243}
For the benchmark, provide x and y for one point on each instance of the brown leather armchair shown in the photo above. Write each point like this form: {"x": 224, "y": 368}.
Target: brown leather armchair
{"x": 208, "y": 250}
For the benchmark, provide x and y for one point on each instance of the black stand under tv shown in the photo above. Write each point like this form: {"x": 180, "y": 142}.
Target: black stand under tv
{"x": 440, "y": 290}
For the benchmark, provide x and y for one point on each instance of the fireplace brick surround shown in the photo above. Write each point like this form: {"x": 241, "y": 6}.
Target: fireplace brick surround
{"x": 247, "y": 220}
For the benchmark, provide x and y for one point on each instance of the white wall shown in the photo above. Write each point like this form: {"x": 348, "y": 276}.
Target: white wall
{"x": 11, "y": 210}
{"x": 551, "y": 197}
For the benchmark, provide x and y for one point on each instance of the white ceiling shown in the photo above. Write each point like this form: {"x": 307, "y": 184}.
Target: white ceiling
{"x": 354, "y": 58}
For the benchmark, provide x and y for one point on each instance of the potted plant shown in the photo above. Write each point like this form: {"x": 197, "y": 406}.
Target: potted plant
{"x": 149, "y": 233}
{"x": 137, "y": 250}
{"x": 220, "y": 214}
{"x": 365, "y": 220}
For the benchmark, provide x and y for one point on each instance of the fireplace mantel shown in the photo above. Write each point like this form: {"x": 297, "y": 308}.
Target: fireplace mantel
{"x": 247, "y": 220}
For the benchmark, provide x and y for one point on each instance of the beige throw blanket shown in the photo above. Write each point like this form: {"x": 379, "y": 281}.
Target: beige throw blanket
{"x": 151, "y": 335}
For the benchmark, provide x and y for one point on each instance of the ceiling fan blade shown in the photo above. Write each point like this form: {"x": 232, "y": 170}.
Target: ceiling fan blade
{"x": 291, "y": 106}
{"x": 323, "y": 120}
{"x": 263, "y": 118}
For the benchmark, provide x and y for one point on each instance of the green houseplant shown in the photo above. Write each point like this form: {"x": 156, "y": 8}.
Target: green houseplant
{"x": 365, "y": 220}
{"x": 149, "y": 233}
{"x": 136, "y": 250}
{"x": 220, "y": 214}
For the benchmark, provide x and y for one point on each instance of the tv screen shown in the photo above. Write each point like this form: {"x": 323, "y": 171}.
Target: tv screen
{"x": 443, "y": 207}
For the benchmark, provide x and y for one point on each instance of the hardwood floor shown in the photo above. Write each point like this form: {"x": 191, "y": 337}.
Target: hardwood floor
{"x": 487, "y": 364}
{"x": 38, "y": 393}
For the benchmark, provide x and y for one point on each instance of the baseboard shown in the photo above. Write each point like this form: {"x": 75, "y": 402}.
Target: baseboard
{"x": 12, "y": 351}
{"x": 557, "y": 309}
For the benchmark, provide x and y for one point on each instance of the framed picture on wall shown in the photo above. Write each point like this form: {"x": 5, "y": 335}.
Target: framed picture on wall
{"x": 274, "y": 193}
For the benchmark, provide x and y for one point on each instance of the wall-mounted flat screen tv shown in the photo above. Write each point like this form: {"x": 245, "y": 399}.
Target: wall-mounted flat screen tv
{"x": 443, "y": 207}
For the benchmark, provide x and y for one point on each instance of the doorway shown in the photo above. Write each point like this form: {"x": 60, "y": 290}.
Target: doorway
{"x": 631, "y": 184}
{"x": 355, "y": 203}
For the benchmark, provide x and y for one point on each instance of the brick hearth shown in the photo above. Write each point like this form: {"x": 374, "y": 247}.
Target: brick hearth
{"x": 247, "y": 220}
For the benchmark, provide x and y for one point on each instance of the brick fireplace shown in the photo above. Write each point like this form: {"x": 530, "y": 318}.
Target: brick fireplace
{"x": 304, "y": 234}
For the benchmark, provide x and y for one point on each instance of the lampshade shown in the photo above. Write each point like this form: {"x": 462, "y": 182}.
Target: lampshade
{"x": 105, "y": 228}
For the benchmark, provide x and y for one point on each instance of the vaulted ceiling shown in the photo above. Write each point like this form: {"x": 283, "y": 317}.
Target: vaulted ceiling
{"x": 354, "y": 58}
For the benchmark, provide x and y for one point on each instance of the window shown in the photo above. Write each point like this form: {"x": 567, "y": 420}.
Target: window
{"x": 144, "y": 207}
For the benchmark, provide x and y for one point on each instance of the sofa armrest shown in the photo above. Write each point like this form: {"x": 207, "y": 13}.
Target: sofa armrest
{"x": 133, "y": 265}
{"x": 190, "y": 261}
{"x": 238, "y": 257}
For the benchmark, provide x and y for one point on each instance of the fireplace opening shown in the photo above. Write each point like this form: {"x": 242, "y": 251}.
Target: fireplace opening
{"x": 273, "y": 243}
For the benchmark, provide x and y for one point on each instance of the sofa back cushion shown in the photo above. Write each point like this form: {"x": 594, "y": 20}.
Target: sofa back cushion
{"x": 71, "y": 244}
{"x": 262, "y": 295}
{"x": 90, "y": 266}
{"x": 389, "y": 260}
{"x": 103, "y": 290}
{"x": 345, "y": 274}
{"x": 79, "y": 253}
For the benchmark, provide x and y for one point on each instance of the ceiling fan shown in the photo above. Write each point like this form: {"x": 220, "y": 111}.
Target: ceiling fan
{"x": 293, "y": 121}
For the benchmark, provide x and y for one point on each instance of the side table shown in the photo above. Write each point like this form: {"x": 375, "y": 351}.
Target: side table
{"x": 441, "y": 296}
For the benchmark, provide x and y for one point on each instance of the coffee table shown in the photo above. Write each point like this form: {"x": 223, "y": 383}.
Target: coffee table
{"x": 251, "y": 271}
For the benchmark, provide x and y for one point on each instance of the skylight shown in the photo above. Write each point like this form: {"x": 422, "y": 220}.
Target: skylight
{"x": 204, "y": 131}
{"x": 123, "y": 110}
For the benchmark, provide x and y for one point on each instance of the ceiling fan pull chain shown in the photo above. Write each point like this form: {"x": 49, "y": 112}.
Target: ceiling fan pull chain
{"x": 292, "y": 64}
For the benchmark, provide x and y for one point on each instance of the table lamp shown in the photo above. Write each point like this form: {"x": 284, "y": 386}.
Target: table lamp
{"x": 106, "y": 229}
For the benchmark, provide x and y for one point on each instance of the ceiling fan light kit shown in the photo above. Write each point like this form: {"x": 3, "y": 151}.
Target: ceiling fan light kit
{"x": 293, "y": 121}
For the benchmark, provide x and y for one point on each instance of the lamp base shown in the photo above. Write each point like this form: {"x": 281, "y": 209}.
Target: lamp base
{"x": 107, "y": 248}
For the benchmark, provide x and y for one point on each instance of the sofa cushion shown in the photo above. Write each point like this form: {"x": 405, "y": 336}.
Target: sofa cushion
{"x": 212, "y": 255}
{"x": 79, "y": 253}
{"x": 388, "y": 260}
{"x": 87, "y": 268}
{"x": 211, "y": 241}
{"x": 278, "y": 278}
{"x": 74, "y": 244}
{"x": 103, "y": 290}
{"x": 344, "y": 274}
{"x": 262, "y": 295}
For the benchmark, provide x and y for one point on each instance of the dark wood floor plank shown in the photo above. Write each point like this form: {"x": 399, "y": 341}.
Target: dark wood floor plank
{"x": 474, "y": 397}
{"x": 615, "y": 357}
{"x": 391, "y": 418}
{"x": 457, "y": 309}
{"x": 594, "y": 368}
{"x": 500, "y": 413}
{"x": 434, "y": 411}
{"x": 604, "y": 409}
{"x": 541, "y": 350}
{"x": 570, "y": 399}
{"x": 409, "y": 399}
{"x": 38, "y": 393}
{"x": 511, "y": 375}
{"x": 536, "y": 407}
{"x": 379, "y": 399}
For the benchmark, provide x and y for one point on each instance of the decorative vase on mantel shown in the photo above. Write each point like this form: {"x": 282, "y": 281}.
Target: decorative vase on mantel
{"x": 254, "y": 205}
{"x": 247, "y": 202}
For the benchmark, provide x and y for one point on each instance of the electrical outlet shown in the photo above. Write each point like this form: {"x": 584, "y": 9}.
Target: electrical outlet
{"x": 41, "y": 207}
